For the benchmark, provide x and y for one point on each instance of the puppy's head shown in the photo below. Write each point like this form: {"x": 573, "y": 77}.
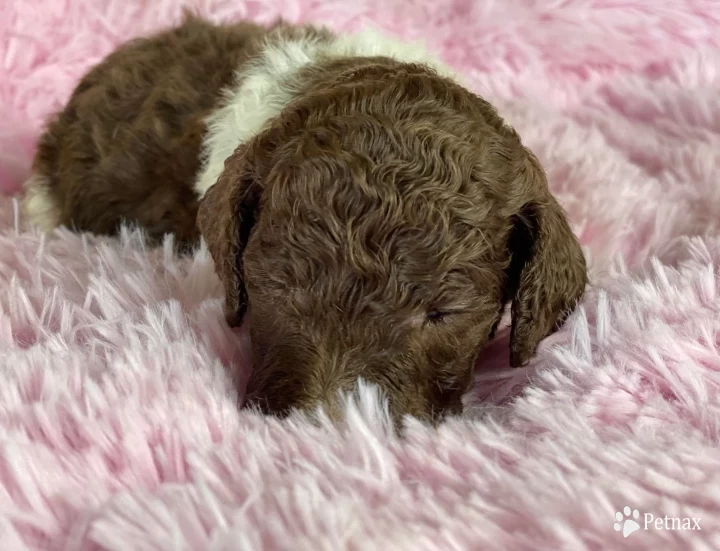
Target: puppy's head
{"x": 377, "y": 229}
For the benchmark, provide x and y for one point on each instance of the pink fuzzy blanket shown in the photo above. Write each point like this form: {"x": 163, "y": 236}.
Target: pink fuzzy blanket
{"x": 119, "y": 420}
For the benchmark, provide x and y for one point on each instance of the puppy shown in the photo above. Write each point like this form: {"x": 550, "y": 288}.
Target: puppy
{"x": 372, "y": 216}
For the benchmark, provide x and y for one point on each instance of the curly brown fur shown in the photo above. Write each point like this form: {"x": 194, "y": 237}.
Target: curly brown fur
{"x": 376, "y": 228}
{"x": 126, "y": 148}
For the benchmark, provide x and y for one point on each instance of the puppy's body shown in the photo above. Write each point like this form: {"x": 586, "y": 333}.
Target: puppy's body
{"x": 127, "y": 146}
{"x": 374, "y": 216}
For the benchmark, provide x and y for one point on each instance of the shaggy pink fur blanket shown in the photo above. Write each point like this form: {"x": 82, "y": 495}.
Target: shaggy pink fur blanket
{"x": 119, "y": 419}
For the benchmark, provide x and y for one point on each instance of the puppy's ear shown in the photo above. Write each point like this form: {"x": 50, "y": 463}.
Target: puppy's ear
{"x": 547, "y": 273}
{"x": 226, "y": 217}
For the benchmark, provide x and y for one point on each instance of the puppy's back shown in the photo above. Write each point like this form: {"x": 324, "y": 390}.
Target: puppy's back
{"x": 127, "y": 145}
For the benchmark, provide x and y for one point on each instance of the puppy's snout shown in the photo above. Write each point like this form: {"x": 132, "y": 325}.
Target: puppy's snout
{"x": 331, "y": 383}
{"x": 301, "y": 378}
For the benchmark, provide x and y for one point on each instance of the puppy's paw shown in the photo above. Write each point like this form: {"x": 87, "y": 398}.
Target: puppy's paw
{"x": 40, "y": 209}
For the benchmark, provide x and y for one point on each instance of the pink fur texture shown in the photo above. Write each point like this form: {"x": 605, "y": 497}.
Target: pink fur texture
{"x": 119, "y": 420}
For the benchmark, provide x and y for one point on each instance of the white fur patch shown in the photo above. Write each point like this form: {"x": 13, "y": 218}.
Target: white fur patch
{"x": 266, "y": 86}
{"x": 40, "y": 208}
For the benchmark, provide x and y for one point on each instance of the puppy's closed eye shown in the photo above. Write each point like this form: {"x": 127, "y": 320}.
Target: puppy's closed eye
{"x": 439, "y": 316}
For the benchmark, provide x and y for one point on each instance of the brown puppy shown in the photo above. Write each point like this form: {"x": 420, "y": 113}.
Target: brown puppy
{"x": 371, "y": 215}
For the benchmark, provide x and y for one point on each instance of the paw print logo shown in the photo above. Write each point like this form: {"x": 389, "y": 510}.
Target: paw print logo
{"x": 627, "y": 523}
